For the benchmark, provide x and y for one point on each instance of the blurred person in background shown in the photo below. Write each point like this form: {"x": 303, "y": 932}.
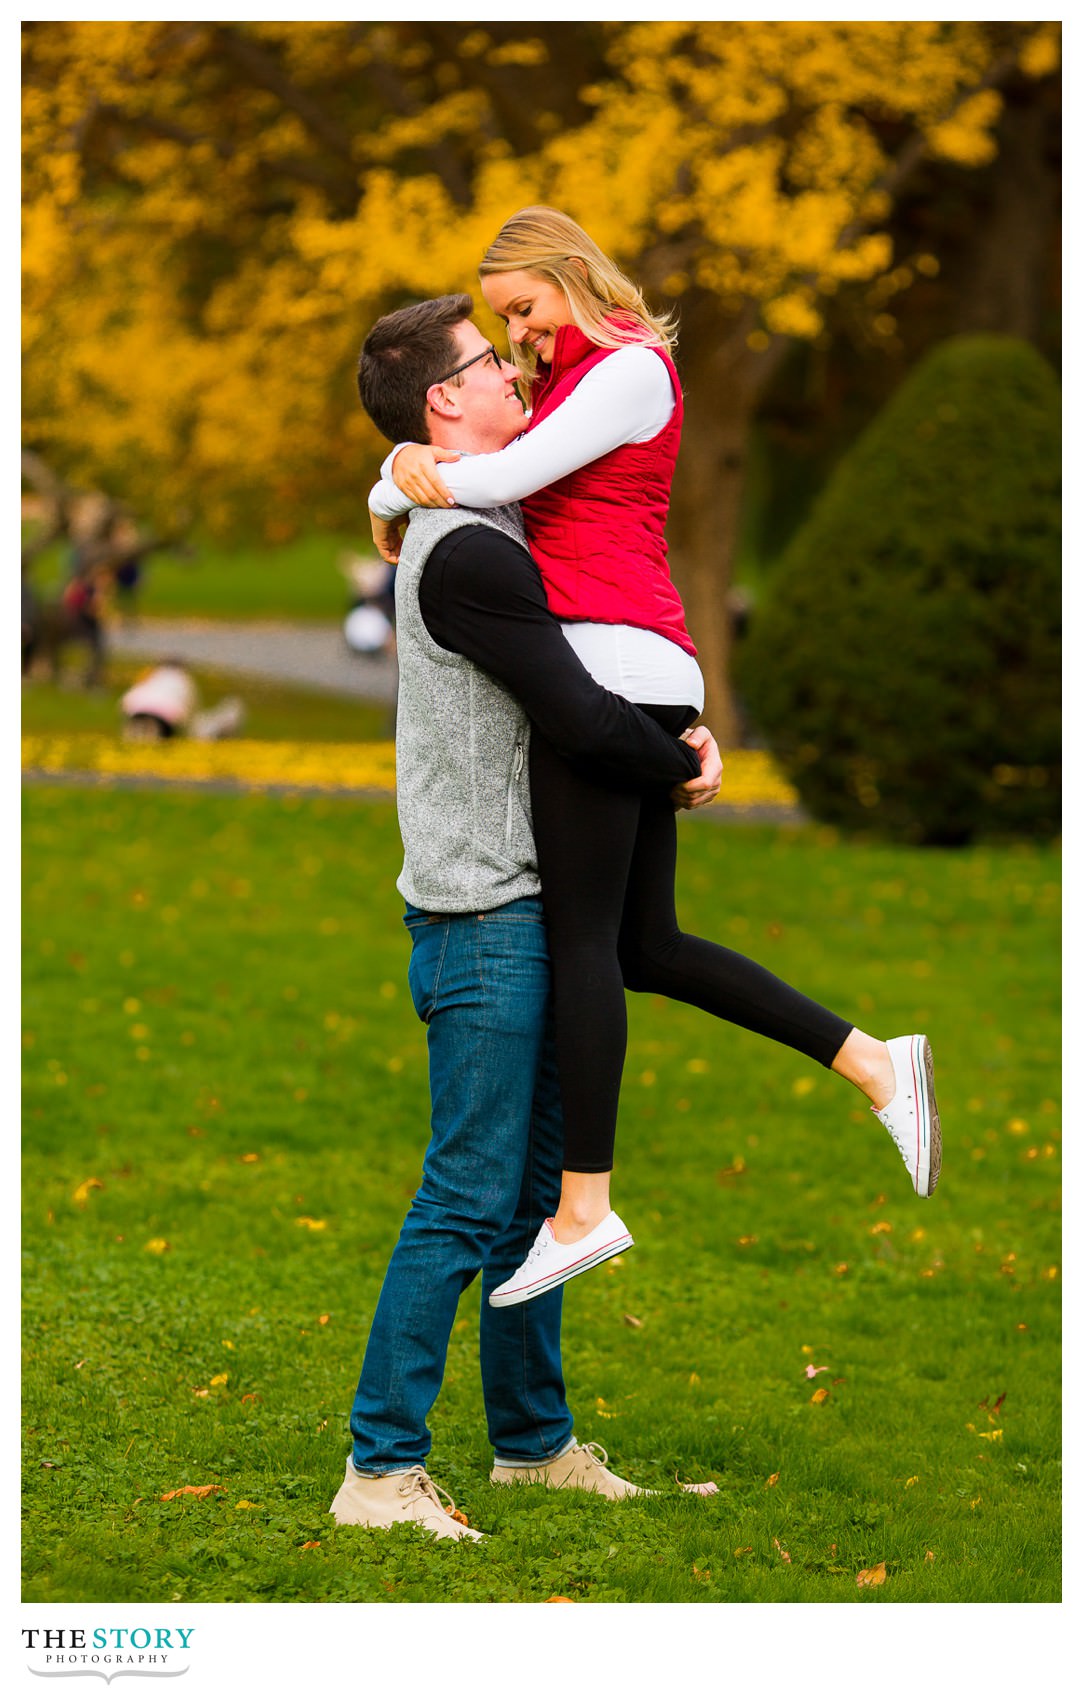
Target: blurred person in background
{"x": 160, "y": 704}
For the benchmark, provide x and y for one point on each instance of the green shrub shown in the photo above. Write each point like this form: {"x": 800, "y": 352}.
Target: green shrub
{"x": 905, "y": 663}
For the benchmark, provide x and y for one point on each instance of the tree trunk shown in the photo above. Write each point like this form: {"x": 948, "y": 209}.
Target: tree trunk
{"x": 1010, "y": 284}
{"x": 703, "y": 539}
{"x": 723, "y": 381}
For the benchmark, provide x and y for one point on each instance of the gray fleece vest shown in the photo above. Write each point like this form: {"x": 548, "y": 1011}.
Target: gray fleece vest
{"x": 461, "y": 750}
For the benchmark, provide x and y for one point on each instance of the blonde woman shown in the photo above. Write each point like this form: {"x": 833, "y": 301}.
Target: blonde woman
{"x": 592, "y": 473}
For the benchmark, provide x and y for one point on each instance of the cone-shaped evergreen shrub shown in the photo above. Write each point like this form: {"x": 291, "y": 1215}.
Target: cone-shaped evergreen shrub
{"x": 905, "y": 663}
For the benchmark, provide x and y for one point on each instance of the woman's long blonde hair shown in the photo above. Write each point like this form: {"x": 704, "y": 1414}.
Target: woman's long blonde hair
{"x": 549, "y": 244}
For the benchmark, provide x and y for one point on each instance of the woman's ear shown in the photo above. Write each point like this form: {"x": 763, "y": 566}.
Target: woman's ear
{"x": 580, "y": 266}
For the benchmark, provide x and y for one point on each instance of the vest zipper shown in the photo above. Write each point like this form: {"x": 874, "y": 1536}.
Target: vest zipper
{"x": 520, "y": 758}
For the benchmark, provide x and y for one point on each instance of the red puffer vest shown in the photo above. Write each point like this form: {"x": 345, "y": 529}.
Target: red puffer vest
{"x": 598, "y": 535}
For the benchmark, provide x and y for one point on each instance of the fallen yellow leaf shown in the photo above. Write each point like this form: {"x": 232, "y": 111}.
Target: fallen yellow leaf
{"x": 220, "y": 1380}
{"x": 559, "y": 1600}
{"x": 309, "y": 1222}
{"x": 875, "y": 1577}
{"x": 819, "y": 1396}
{"x": 157, "y": 1246}
{"x": 84, "y": 1190}
{"x": 196, "y": 1492}
{"x": 737, "y": 1167}
{"x": 771, "y": 1480}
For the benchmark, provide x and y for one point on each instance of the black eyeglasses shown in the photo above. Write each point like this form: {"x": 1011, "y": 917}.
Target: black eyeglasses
{"x": 486, "y": 354}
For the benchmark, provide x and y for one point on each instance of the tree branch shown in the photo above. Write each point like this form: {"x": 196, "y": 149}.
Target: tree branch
{"x": 444, "y": 162}
{"x": 264, "y": 70}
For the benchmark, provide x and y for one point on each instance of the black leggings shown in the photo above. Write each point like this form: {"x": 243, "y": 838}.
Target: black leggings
{"x": 607, "y": 861}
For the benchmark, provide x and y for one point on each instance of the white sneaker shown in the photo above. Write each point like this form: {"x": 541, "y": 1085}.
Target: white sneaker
{"x": 912, "y": 1118}
{"x": 407, "y": 1496}
{"x": 549, "y": 1263}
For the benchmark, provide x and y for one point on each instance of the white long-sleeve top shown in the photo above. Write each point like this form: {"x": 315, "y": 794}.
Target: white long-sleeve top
{"x": 624, "y": 399}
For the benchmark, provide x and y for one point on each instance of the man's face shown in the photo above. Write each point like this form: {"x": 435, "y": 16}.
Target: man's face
{"x": 491, "y": 409}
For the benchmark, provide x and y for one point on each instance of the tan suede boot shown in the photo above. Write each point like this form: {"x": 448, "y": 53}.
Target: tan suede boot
{"x": 580, "y": 1467}
{"x": 408, "y": 1496}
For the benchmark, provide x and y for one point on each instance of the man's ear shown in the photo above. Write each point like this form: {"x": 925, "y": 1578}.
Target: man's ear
{"x": 442, "y": 401}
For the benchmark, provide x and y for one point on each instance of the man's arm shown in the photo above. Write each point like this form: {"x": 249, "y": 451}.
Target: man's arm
{"x": 481, "y": 596}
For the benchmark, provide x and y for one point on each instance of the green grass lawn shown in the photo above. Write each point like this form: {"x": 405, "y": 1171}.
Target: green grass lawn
{"x": 226, "y": 1105}
{"x": 288, "y": 581}
{"x": 273, "y": 711}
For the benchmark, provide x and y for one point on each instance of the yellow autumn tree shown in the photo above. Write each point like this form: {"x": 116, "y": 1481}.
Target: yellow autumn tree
{"x": 215, "y": 212}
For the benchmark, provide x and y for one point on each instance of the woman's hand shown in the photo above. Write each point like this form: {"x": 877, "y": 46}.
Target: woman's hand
{"x": 414, "y": 471}
{"x": 387, "y": 536}
{"x": 695, "y": 792}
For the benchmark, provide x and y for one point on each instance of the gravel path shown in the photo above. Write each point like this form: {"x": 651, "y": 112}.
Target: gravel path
{"x": 314, "y": 656}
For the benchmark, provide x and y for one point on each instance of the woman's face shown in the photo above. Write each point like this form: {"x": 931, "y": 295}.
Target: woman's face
{"x": 532, "y": 309}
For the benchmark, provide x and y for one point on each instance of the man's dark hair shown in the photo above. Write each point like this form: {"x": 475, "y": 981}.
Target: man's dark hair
{"x": 402, "y": 356}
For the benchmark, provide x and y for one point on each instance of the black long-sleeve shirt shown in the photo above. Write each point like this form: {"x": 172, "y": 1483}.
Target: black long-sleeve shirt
{"x": 481, "y": 596}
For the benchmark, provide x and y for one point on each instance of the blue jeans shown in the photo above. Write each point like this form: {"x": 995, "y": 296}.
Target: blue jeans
{"x": 491, "y": 1175}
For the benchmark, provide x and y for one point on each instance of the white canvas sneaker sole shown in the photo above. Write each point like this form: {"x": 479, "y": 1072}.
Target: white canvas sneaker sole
{"x": 912, "y": 1118}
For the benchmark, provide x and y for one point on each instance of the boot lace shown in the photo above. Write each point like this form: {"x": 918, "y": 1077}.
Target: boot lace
{"x": 596, "y": 1450}
{"x": 417, "y": 1483}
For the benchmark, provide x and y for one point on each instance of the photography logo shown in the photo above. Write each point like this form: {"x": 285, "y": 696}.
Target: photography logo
{"x": 108, "y": 1652}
